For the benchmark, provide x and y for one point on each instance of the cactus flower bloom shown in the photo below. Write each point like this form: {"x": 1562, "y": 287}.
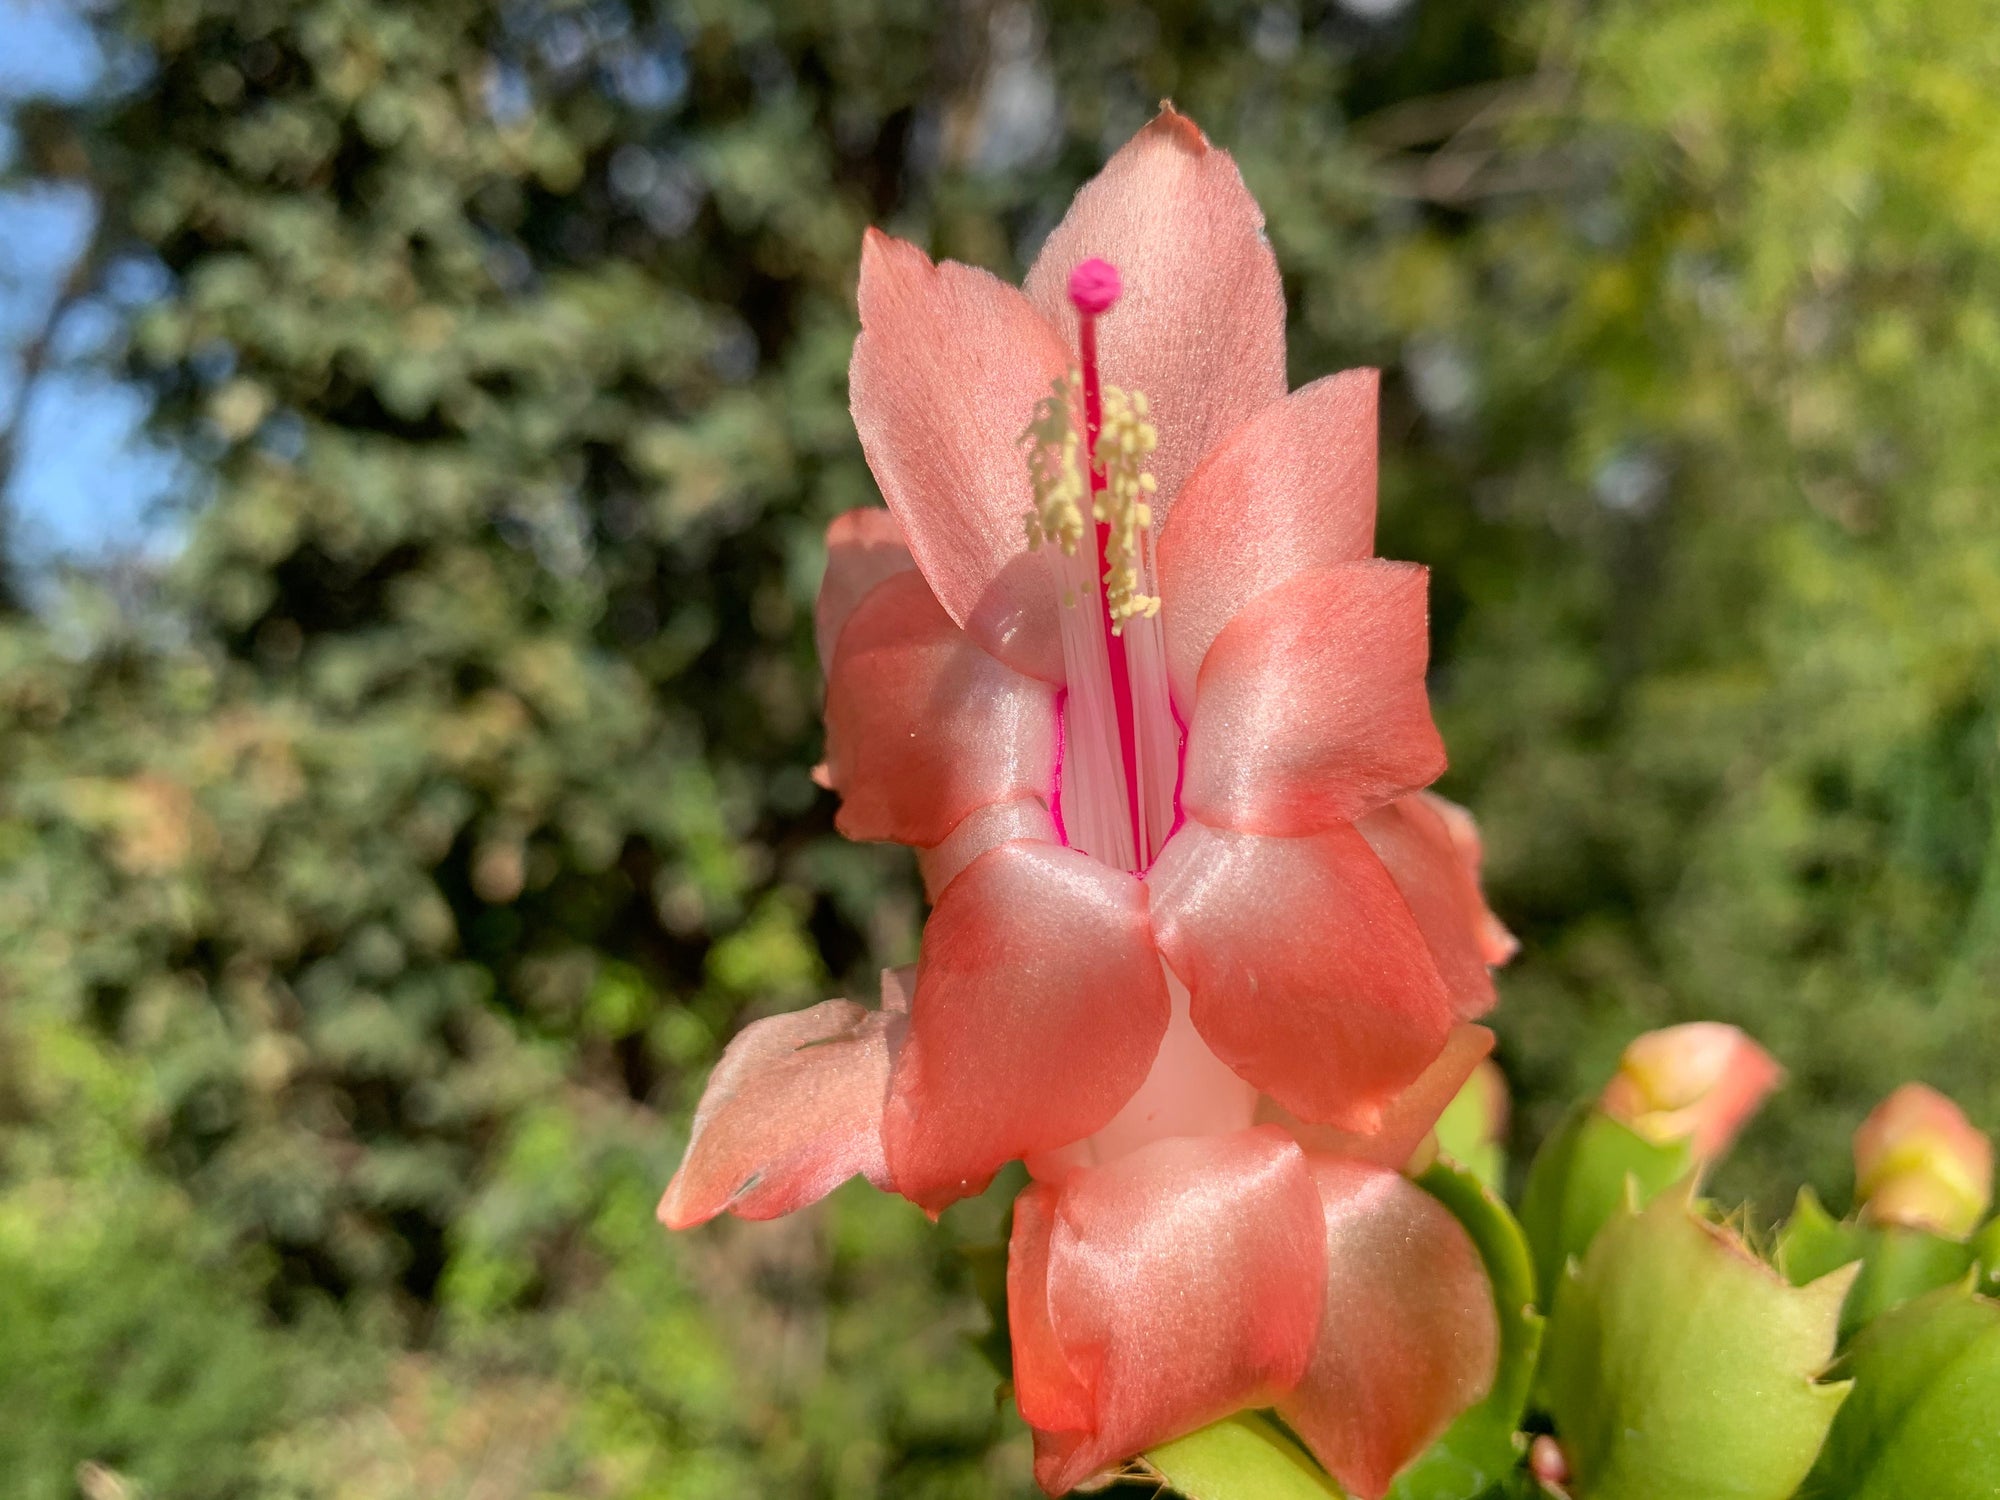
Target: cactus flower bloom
{"x": 1920, "y": 1163}
{"x": 1118, "y": 662}
{"x": 1699, "y": 1082}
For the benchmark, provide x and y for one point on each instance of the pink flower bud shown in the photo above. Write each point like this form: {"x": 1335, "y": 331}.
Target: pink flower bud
{"x": 1920, "y": 1163}
{"x": 1548, "y": 1463}
{"x": 1697, "y": 1083}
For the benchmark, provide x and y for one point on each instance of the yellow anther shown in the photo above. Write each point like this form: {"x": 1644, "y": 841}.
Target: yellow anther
{"x": 1123, "y": 444}
{"x": 1055, "y": 468}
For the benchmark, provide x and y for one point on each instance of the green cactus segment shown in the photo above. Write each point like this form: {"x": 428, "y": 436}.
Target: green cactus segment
{"x": 1986, "y": 1248}
{"x": 1901, "y": 1265}
{"x": 1813, "y": 1242}
{"x": 1244, "y": 1457}
{"x": 1680, "y": 1365}
{"x": 1465, "y": 1131}
{"x": 1482, "y": 1446}
{"x": 1897, "y": 1263}
{"x": 1577, "y": 1182}
{"x": 1920, "y": 1424}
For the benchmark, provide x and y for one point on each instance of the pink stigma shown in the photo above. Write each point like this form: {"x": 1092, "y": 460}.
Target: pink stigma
{"x": 1094, "y": 287}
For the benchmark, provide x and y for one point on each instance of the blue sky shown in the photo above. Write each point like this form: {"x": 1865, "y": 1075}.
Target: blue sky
{"x": 87, "y": 477}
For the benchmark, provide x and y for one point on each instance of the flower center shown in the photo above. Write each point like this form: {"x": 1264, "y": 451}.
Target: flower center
{"x": 1121, "y": 742}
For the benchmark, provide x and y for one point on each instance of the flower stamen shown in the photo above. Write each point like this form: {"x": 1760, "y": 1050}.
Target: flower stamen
{"x": 1123, "y": 504}
{"x": 1055, "y": 469}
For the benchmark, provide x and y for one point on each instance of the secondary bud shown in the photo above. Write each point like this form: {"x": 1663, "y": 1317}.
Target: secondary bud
{"x": 1548, "y": 1463}
{"x": 1920, "y": 1163}
{"x": 1698, "y": 1083}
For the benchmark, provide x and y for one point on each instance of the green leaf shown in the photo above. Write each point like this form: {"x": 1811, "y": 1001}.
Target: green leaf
{"x": 1244, "y": 1457}
{"x": 1465, "y": 1129}
{"x": 1897, "y": 1263}
{"x": 1577, "y": 1182}
{"x": 1480, "y": 1448}
{"x": 1920, "y": 1421}
{"x": 1901, "y": 1264}
{"x": 1813, "y": 1242}
{"x": 1680, "y": 1365}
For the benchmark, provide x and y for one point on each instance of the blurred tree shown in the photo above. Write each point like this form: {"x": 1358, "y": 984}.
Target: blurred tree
{"x": 1712, "y": 365}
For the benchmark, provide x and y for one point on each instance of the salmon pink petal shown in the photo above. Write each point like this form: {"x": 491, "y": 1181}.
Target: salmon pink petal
{"x": 978, "y": 831}
{"x": 1040, "y": 1004}
{"x": 1408, "y": 1337}
{"x": 1309, "y": 975}
{"x": 1290, "y": 489}
{"x": 793, "y": 1109}
{"x": 1497, "y": 945}
{"x": 1408, "y": 1119}
{"x": 1178, "y": 1284}
{"x": 898, "y": 985}
{"x": 922, "y": 726}
{"x": 1310, "y": 709}
{"x": 1048, "y": 1392}
{"x": 946, "y": 374}
{"x": 863, "y": 547}
{"x": 1200, "y": 327}
{"x": 1415, "y": 843}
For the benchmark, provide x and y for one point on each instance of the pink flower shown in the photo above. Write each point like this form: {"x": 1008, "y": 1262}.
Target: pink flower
{"x": 1203, "y": 951}
{"x": 1699, "y": 1082}
{"x": 1920, "y": 1163}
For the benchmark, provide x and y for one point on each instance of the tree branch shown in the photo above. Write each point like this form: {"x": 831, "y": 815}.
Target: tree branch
{"x": 36, "y": 355}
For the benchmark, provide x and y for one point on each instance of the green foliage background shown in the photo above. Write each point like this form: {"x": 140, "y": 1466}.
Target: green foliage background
{"x": 378, "y": 878}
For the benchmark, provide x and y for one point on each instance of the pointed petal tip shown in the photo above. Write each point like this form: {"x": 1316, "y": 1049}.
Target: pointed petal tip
{"x": 1200, "y": 327}
{"x": 792, "y": 1110}
{"x": 883, "y": 255}
{"x": 673, "y": 1213}
{"x": 878, "y": 242}
{"x": 1179, "y": 128}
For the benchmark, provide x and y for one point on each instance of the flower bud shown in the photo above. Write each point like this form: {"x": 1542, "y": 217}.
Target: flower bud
{"x": 1697, "y": 1083}
{"x": 1548, "y": 1463}
{"x": 1920, "y": 1163}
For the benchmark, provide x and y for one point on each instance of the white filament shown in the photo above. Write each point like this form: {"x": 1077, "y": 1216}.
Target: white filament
{"x": 1158, "y": 751}
{"x": 1094, "y": 811}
